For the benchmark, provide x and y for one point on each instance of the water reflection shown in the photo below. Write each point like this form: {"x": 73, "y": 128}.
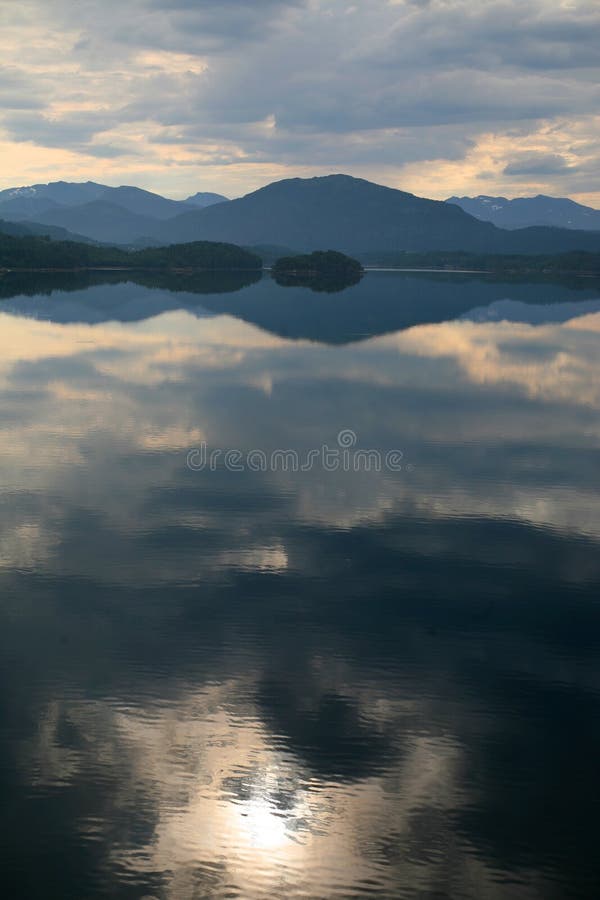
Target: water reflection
{"x": 307, "y": 684}
{"x": 381, "y": 303}
{"x": 324, "y": 284}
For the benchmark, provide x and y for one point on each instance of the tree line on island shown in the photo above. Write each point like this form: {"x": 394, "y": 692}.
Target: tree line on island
{"x": 322, "y": 270}
{"x": 35, "y": 252}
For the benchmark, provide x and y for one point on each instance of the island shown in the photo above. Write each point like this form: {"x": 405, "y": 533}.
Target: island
{"x": 321, "y": 263}
{"x": 323, "y": 270}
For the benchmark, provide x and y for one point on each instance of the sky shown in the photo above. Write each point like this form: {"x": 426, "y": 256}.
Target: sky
{"x": 437, "y": 97}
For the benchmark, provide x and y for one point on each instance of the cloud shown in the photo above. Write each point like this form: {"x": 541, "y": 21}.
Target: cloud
{"x": 303, "y": 84}
{"x": 18, "y": 90}
{"x": 538, "y": 164}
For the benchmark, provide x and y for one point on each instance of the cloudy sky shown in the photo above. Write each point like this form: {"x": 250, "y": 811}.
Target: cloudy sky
{"x": 433, "y": 96}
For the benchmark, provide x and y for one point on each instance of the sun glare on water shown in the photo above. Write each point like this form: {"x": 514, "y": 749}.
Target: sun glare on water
{"x": 261, "y": 826}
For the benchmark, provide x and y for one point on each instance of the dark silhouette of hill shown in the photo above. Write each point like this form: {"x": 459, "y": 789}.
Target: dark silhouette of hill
{"x": 30, "y": 252}
{"x": 337, "y": 212}
{"x": 523, "y": 212}
{"x": 324, "y": 271}
{"x": 55, "y": 232}
{"x": 355, "y": 216}
{"x": 102, "y": 221}
{"x": 545, "y": 240}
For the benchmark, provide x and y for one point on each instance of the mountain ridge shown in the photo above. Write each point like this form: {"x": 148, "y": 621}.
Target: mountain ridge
{"x": 523, "y": 212}
{"x": 66, "y": 204}
{"x": 323, "y": 212}
{"x": 355, "y": 216}
{"x": 329, "y": 212}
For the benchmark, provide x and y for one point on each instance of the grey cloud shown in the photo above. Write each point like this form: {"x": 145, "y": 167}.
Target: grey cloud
{"x": 190, "y": 27}
{"x": 538, "y": 164}
{"x": 314, "y": 81}
{"x": 538, "y": 35}
{"x": 109, "y": 151}
{"x": 20, "y": 91}
{"x": 339, "y": 150}
{"x": 581, "y": 178}
{"x": 395, "y": 83}
{"x": 74, "y": 131}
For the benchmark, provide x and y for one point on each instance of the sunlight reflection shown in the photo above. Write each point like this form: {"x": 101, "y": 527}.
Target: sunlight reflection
{"x": 265, "y": 829}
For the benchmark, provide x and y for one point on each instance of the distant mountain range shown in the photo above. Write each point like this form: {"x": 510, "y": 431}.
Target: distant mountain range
{"x": 102, "y": 220}
{"x": 335, "y": 212}
{"x": 109, "y": 214}
{"x": 524, "y": 212}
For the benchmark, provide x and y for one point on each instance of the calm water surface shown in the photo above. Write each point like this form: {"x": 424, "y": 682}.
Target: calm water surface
{"x": 324, "y": 683}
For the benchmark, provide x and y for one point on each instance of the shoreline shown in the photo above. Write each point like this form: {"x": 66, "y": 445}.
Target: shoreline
{"x": 175, "y": 270}
{"x": 191, "y": 270}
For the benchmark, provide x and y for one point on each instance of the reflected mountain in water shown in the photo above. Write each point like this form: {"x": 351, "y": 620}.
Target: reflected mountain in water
{"x": 29, "y": 284}
{"x": 383, "y": 301}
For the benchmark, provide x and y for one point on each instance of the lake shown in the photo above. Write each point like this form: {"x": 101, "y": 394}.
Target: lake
{"x": 299, "y": 590}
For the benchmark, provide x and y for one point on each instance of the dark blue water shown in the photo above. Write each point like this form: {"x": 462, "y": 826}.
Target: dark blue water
{"x": 299, "y": 591}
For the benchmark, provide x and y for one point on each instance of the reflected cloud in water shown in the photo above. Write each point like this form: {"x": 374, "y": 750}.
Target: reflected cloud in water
{"x": 304, "y": 684}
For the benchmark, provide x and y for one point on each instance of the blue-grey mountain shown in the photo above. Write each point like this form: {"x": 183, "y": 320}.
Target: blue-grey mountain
{"x": 124, "y": 214}
{"x": 205, "y": 198}
{"x": 354, "y": 216}
{"x": 55, "y": 232}
{"x": 523, "y": 212}
{"x": 334, "y": 212}
{"x": 101, "y": 220}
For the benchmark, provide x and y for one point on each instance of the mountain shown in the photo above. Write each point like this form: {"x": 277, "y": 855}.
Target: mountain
{"x": 205, "y": 198}
{"x": 354, "y": 216}
{"x": 21, "y": 229}
{"x": 558, "y": 212}
{"x": 101, "y": 221}
{"x": 27, "y": 202}
{"x": 26, "y": 206}
{"x": 71, "y": 205}
{"x": 331, "y": 212}
{"x": 140, "y": 202}
{"x": 334, "y": 212}
{"x": 38, "y": 196}
{"x": 37, "y": 199}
